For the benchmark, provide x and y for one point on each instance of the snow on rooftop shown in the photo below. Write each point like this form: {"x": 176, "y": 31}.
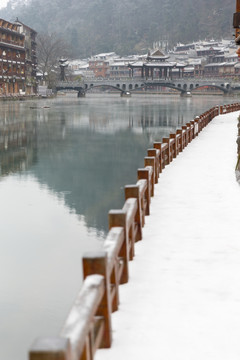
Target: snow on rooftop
{"x": 183, "y": 298}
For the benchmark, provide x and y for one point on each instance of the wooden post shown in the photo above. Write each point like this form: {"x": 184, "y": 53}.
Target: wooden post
{"x": 192, "y": 123}
{"x": 180, "y": 133}
{"x": 196, "y": 121}
{"x": 175, "y": 146}
{"x": 97, "y": 263}
{"x": 184, "y": 127}
{"x": 200, "y": 123}
{"x": 119, "y": 218}
{"x": 50, "y": 348}
{"x": 132, "y": 191}
{"x": 189, "y": 132}
{"x": 158, "y": 146}
{"x": 167, "y": 141}
{"x": 155, "y": 153}
{"x": 150, "y": 161}
{"x": 144, "y": 174}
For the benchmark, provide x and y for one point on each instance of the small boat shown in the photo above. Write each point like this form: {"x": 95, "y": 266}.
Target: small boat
{"x": 125, "y": 94}
{"x": 186, "y": 94}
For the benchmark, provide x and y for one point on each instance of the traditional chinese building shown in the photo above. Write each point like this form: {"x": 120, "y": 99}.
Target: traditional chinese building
{"x": 156, "y": 66}
{"x": 12, "y": 59}
{"x": 30, "y": 57}
{"x": 209, "y": 51}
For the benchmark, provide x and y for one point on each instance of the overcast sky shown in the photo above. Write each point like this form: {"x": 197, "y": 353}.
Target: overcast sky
{"x": 3, "y": 3}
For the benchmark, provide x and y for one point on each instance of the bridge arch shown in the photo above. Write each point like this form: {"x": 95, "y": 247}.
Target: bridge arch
{"x": 117, "y": 87}
{"x": 219, "y": 87}
{"x": 169, "y": 85}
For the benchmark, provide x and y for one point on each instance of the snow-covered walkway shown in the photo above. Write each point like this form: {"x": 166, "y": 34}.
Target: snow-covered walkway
{"x": 183, "y": 298}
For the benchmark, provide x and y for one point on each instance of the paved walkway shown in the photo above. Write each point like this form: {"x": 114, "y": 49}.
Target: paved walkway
{"x": 183, "y": 298}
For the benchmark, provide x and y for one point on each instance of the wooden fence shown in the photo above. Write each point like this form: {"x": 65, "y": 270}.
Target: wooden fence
{"x": 88, "y": 325}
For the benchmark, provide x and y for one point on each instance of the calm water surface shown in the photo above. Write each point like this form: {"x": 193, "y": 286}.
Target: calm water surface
{"x": 63, "y": 165}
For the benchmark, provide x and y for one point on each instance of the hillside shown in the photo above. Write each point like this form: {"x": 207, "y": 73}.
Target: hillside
{"x": 93, "y": 26}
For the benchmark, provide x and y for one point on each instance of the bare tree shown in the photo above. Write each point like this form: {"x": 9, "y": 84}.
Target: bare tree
{"x": 50, "y": 49}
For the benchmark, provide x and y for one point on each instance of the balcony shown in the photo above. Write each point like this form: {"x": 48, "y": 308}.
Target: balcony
{"x": 11, "y": 44}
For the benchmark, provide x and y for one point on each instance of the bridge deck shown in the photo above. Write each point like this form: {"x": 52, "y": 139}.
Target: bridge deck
{"x": 183, "y": 298}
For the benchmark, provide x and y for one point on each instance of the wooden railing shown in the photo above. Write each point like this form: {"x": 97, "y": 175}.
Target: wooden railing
{"x": 88, "y": 326}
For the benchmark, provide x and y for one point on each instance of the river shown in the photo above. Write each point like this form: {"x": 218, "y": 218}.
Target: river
{"x": 63, "y": 165}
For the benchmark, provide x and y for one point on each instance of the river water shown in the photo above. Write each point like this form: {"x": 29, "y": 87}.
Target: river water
{"x": 63, "y": 165}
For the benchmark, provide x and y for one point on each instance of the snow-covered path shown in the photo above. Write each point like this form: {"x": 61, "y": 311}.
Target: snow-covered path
{"x": 183, "y": 298}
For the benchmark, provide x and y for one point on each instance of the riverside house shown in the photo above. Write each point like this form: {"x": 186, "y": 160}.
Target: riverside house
{"x": 17, "y": 64}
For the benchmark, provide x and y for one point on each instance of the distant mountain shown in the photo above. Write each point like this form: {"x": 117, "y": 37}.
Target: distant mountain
{"x": 124, "y": 26}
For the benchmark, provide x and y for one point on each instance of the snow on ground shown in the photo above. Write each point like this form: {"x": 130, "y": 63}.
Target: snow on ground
{"x": 183, "y": 298}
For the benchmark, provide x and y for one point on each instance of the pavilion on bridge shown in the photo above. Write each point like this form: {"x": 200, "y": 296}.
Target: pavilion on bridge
{"x": 156, "y": 67}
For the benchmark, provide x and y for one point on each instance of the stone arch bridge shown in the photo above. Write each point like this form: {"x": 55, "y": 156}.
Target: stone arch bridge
{"x": 126, "y": 86}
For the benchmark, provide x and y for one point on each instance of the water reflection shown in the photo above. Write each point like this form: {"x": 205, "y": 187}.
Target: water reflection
{"x": 17, "y": 144}
{"x": 86, "y": 150}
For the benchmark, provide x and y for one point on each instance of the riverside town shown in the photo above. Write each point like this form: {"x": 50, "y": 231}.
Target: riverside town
{"x": 20, "y": 75}
{"x": 119, "y": 180}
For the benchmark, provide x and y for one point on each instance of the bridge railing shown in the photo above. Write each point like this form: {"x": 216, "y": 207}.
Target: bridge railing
{"x": 88, "y": 325}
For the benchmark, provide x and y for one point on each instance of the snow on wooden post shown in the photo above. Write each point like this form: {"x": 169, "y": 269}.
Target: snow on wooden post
{"x": 180, "y": 141}
{"x": 175, "y": 145}
{"x": 200, "y": 123}
{"x": 50, "y": 348}
{"x": 189, "y": 129}
{"x": 143, "y": 198}
{"x": 145, "y": 174}
{"x": 118, "y": 218}
{"x": 196, "y": 122}
{"x": 192, "y": 123}
{"x": 158, "y": 146}
{"x": 112, "y": 245}
{"x": 202, "y": 117}
{"x": 150, "y": 161}
{"x": 133, "y": 191}
{"x": 167, "y": 141}
{"x": 130, "y": 206}
{"x": 96, "y": 263}
{"x": 189, "y": 132}
{"x": 209, "y": 116}
{"x": 186, "y": 138}
{"x": 83, "y": 327}
{"x": 155, "y": 153}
